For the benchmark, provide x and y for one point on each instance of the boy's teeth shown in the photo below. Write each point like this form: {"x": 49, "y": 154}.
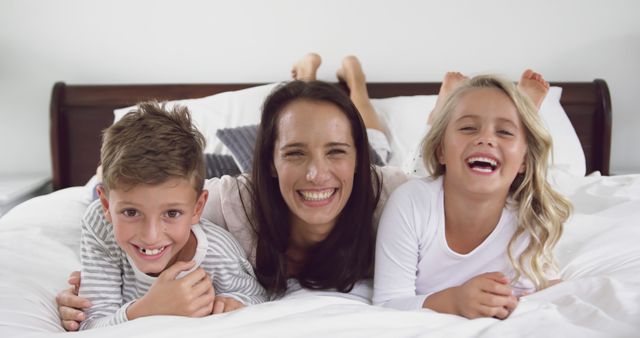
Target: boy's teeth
{"x": 317, "y": 195}
{"x": 150, "y": 252}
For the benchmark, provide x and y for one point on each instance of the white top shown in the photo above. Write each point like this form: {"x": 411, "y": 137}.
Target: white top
{"x": 413, "y": 259}
{"x": 112, "y": 282}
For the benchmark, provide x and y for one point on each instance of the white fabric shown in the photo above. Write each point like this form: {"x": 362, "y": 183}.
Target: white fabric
{"x": 598, "y": 254}
{"x": 413, "y": 259}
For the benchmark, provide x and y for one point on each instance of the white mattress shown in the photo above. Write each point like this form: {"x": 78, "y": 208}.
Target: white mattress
{"x": 599, "y": 254}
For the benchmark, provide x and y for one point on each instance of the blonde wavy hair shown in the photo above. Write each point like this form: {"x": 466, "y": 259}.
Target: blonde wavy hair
{"x": 541, "y": 210}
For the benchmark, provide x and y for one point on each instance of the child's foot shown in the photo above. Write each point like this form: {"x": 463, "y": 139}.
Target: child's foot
{"x": 534, "y": 86}
{"x": 450, "y": 82}
{"x": 305, "y": 69}
{"x": 351, "y": 72}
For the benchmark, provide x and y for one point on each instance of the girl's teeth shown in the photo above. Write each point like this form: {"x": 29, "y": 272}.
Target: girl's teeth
{"x": 317, "y": 195}
{"x": 150, "y": 252}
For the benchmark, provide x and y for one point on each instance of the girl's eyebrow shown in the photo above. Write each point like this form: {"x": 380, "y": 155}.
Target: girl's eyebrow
{"x": 477, "y": 117}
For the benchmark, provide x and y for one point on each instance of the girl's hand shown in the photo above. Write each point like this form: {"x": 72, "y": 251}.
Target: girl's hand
{"x": 70, "y": 305}
{"x": 226, "y": 304}
{"x": 190, "y": 296}
{"x": 486, "y": 295}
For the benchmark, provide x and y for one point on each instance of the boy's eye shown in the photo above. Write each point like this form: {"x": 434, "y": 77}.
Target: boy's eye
{"x": 173, "y": 213}
{"x": 130, "y": 212}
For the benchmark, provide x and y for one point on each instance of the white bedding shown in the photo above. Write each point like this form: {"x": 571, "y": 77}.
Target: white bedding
{"x": 599, "y": 254}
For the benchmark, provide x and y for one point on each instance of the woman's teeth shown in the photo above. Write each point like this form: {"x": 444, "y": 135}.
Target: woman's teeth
{"x": 150, "y": 252}
{"x": 317, "y": 195}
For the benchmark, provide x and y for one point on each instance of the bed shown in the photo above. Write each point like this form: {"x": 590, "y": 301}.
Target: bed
{"x": 598, "y": 253}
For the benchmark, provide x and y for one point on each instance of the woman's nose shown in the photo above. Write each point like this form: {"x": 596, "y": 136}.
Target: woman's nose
{"x": 317, "y": 171}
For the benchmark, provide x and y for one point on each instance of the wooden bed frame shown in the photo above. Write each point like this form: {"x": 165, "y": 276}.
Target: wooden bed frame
{"x": 80, "y": 112}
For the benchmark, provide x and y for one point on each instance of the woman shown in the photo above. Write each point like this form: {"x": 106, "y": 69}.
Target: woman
{"x": 307, "y": 213}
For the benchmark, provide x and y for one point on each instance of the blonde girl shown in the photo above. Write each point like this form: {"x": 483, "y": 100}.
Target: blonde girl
{"x": 480, "y": 231}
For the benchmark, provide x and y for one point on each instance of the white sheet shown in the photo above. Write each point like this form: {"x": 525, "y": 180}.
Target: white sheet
{"x": 599, "y": 255}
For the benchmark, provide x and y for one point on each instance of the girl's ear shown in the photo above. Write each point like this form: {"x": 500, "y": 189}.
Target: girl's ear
{"x": 523, "y": 168}
{"x": 440, "y": 153}
{"x": 104, "y": 201}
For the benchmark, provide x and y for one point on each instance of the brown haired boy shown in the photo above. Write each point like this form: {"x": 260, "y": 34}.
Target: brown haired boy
{"x": 144, "y": 250}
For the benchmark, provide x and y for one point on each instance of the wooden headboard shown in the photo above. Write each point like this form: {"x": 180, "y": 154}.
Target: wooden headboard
{"x": 79, "y": 113}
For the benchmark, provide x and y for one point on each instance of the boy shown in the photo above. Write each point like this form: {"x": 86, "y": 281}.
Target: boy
{"x": 144, "y": 250}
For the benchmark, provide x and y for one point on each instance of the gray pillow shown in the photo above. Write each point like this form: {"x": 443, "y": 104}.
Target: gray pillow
{"x": 217, "y": 165}
{"x": 241, "y": 142}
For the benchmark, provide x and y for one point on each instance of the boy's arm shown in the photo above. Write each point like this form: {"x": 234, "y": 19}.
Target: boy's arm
{"x": 101, "y": 276}
{"x": 232, "y": 274}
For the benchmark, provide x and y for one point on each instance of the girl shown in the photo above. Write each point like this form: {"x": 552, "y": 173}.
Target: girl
{"x": 480, "y": 231}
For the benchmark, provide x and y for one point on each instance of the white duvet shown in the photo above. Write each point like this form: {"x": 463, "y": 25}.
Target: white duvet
{"x": 599, "y": 255}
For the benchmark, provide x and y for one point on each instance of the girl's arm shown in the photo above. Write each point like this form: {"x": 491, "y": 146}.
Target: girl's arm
{"x": 486, "y": 295}
{"x": 397, "y": 249}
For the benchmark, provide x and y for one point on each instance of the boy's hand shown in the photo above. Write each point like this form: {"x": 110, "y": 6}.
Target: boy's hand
{"x": 70, "y": 305}
{"x": 486, "y": 295}
{"x": 226, "y": 304}
{"x": 191, "y": 296}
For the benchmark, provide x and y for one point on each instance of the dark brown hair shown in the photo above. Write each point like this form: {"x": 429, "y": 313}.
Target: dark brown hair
{"x": 151, "y": 145}
{"x": 346, "y": 254}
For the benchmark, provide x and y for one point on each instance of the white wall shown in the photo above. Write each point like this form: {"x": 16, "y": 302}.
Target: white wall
{"x": 149, "y": 41}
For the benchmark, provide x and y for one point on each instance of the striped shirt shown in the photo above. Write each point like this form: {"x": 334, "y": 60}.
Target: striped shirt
{"x": 111, "y": 281}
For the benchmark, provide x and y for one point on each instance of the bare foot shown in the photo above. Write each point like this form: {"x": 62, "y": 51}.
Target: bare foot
{"x": 305, "y": 69}
{"x": 534, "y": 86}
{"x": 450, "y": 82}
{"x": 351, "y": 72}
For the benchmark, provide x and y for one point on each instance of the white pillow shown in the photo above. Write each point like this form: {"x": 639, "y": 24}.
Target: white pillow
{"x": 224, "y": 110}
{"x": 406, "y": 119}
{"x": 568, "y": 155}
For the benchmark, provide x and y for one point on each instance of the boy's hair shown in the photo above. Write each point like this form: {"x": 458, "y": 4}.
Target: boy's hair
{"x": 541, "y": 210}
{"x": 151, "y": 145}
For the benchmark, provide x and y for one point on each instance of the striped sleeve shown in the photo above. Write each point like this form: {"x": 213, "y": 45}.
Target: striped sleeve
{"x": 101, "y": 271}
{"x": 230, "y": 271}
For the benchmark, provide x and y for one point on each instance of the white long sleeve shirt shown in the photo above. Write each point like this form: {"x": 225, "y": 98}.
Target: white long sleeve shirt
{"x": 413, "y": 259}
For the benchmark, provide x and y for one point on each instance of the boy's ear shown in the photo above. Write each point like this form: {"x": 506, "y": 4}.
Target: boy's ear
{"x": 199, "y": 208}
{"x": 104, "y": 200}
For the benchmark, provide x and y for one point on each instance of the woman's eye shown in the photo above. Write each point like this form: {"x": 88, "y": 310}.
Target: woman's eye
{"x": 173, "y": 213}
{"x": 293, "y": 154}
{"x": 130, "y": 212}
{"x": 337, "y": 152}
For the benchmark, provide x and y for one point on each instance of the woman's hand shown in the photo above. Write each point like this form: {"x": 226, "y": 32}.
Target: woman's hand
{"x": 70, "y": 305}
{"x": 226, "y": 304}
{"x": 486, "y": 295}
